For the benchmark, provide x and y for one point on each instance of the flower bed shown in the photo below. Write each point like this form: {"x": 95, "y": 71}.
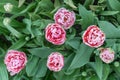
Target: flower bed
{"x": 59, "y": 40}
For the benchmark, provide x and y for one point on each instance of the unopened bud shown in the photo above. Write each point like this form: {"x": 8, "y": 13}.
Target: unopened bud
{"x": 8, "y": 7}
{"x": 6, "y": 21}
{"x": 116, "y": 64}
{"x": 84, "y": 74}
{"x": 27, "y": 38}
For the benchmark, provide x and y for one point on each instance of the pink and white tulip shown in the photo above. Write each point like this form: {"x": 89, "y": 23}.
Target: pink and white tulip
{"x": 15, "y": 61}
{"x": 64, "y": 18}
{"x": 93, "y": 36}
{"x": 55, "y": 61}
{"x": 55, "y": 34}
{"x": 107, "y": 55}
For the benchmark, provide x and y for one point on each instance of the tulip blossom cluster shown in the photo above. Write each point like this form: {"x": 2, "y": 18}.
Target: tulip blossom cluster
{"x": 55, "y": 32}
{"x": 15, "y": 61}
{"x": 93, "y": 36}
{"x": 55, "y": 61}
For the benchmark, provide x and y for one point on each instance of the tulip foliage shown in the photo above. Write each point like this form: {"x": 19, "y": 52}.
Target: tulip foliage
{"x": 60, "y": 40}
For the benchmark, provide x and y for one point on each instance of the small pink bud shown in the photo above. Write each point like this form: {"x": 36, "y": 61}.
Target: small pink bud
{"x": 107, "y": 55}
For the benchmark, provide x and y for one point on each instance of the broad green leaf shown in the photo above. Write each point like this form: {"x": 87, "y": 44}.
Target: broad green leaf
{"x": 87, "y": 3}
{"x": 21, "y": 2}
{"x": 87, "y": 17}
{"x": 23, "y": 11}
{"x": 94, "y": 78}
{"x": 118, "y": 18}
{"x": 74, "y": 43}
{"x": 114, "y": 4}
{"x": 42, "y": 52}
{"x": 107, "y": 13}
{"x": 82, "y": 56}
{"x": 3, "y": 30}
{"x": 43, "y": 6}
{"x": 106, "y": 71}
{"x": 18, "y": 44}
{"x": 41, "y": 68}
{"x": 3, "y": 72}
{"x": 68, "y": 61}
{"x": 109, "y": 29}
{"x": 31, "y": 65}
{"x": 72, "y": 33}
{"x": 102, "y": 70}
{"x": 42, "y": 23}
{"x": 57, "y": 3}
{"x": 2, "y": 52}
{"x": 112, "y": 77}
{"x": 99, "y": 68}
{"x": 62, "y": 76}
{"x": 110, "y": 42}
{"x": 70, "y": 3}
{"x": 34, "y": 78}
{"x": 28, "y": 26}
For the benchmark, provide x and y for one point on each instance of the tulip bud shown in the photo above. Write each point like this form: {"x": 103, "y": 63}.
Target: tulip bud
{"x": 6, "y": 21}
{"x": 116, "y": 64}
{"x": 107, "y": 55}
{"x": 8, "y": 7}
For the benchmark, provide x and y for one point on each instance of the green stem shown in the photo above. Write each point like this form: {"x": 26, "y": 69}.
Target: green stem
{"x": 13, "y": 31}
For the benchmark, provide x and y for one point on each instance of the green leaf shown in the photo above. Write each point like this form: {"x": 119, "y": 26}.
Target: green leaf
{"x": 109, "y": 29}
{"x": 93, "y": 78}
{"x": 7, "y": 25}
{"x": 106, "y": 71}
{"x": 88, "y": 3}
{"x": 3, "y": 72}
{"x": 31, "y": 65}
{"x": 43, "y": 6}
{"x": 118, "y": 18}
{"x": 28, "y": 26}
{"x": 116, "y": 69}
{"x": 36, "y": 67}
{"x": 61, "y": 75}
{"x": 57, "y": 3}
{"x": 20, "y": 43}
{"x": 101, "y": 1}
{"x": 42, "y": 52}
{"x": 70, "y": 3}
{"x": 21, "y": 2}
{"x": 110, "y": 42}
{"x": 74, "y": 43}
{"x": 82, "y": 56}
{"x": 108, "y": 13}
{"x": 68, "y": 61}
{"x": 114, "y": 4}
{"x": 87, "y": 17}
{"x": 99, "y": 67}
{"x": 41, "y": 68}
